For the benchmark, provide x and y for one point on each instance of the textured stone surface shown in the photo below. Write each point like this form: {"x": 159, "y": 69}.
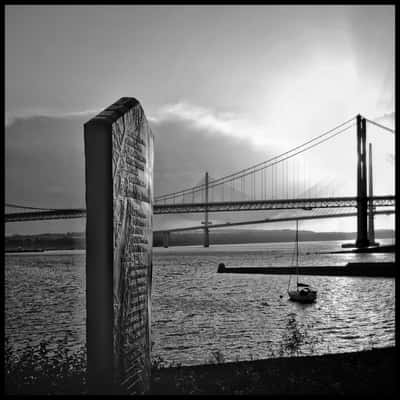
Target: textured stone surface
{"x": 119, "y": 193}
{"x": 132, "y": 165}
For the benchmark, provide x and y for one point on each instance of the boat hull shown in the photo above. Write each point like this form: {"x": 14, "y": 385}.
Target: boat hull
{"x": 302, "y": 297}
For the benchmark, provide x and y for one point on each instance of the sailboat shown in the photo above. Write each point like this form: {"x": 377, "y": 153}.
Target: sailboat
{"x": 303, "y": 292}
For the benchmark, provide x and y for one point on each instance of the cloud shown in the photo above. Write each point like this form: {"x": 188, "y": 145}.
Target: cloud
{"x": 45, "y": 156}
{"x": 198, "y": 117}
{"x": 13, "y": 116}
{"x": 44, "y": 161}
{"x": 195, "y": 117}
{"x": 184, "y": 152}
{"x": 387, "y": 119}
{"x": 214, "y": 123}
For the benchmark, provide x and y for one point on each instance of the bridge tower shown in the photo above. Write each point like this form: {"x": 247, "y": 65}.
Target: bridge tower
{"x": 362, "y": 200}
{"x": 206, "y": 230}
{"x": 371, "y": 229}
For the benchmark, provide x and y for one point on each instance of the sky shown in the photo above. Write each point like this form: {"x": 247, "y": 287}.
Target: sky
{"x": 223, "y": 87}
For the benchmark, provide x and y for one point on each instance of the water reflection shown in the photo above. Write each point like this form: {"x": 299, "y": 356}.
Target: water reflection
{"x": 246, "y": 316}
{"x": 196, "y": 311}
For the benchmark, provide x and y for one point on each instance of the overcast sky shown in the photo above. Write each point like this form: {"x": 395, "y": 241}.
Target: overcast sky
{"x": 241, "y": 83}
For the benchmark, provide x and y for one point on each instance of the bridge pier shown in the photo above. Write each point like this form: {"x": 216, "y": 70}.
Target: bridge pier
{"x": 165, "y": 236}
{"x": 206, "y": 242}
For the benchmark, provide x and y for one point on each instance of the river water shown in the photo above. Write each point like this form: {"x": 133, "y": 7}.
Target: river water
{"x": 199, "y": 315}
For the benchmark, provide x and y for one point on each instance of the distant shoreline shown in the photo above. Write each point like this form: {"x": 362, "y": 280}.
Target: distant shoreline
{"x": 77, "y": 240}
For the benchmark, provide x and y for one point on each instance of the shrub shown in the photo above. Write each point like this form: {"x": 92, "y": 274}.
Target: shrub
{"x": 40, "y": 370}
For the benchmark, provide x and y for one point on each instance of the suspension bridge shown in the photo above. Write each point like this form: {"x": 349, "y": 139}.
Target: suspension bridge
{"x": 281, "y": 184}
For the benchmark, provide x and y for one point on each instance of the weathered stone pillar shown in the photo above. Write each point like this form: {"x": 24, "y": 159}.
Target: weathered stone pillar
{"x": 119, "y": 193}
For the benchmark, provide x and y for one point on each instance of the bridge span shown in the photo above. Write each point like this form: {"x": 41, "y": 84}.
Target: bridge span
{"x": 283, "y": 204}
{"x": 46, "y": 215}
{"x": 166, "y": 233}
{"x": 273, "y": 184}
{"x": 250, "y": 205}
{"x": 271, "y": 220}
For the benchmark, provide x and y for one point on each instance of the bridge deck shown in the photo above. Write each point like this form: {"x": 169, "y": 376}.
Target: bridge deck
{"x": 251, "y": 205}
{"x": 283, "y": 204}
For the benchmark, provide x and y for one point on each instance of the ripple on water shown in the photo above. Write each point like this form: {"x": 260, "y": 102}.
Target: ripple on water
{"x": 196, "y": 311}
{"x": 246, "y": 316}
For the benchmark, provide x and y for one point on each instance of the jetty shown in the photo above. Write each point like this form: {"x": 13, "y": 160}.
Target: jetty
{"x": 372, "y": 249}
{"x": 382, "y": 269}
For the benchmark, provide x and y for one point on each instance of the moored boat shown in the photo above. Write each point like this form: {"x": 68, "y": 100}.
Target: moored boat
{"x": 303, "y": 293}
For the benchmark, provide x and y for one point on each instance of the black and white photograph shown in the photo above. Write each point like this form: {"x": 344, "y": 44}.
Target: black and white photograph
{"x": 199, "y": 199}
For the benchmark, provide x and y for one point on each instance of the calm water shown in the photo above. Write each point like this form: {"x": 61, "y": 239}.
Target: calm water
{"x": 196, "y": 311}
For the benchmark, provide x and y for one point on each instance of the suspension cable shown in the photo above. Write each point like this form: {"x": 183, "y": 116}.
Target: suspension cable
{"x": 250, "y": 169}
{"x": 380, "y": 126}
{"x": 288, "y": 157}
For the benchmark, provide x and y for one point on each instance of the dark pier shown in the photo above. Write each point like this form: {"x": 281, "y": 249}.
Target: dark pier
{"x": 383, "y": 270}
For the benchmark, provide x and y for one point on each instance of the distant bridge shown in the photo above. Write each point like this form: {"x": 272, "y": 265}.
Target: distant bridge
{"x": 166, "y": 233}
{"x": 250, "y": 205}
{"x": 254, "y": 205}
{"x": 274, "y": 184}
{"x": 271, "y": 220}
{"x": 46, "y": 215}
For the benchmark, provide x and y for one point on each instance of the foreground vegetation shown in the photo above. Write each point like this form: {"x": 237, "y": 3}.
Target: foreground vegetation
{"x": 367, "y": 373}
{"x": 44, "y": 370}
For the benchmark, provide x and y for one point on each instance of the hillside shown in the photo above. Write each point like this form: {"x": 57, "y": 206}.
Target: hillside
{"x": 236, "y": 236}
{"x": 76, "y": 240}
